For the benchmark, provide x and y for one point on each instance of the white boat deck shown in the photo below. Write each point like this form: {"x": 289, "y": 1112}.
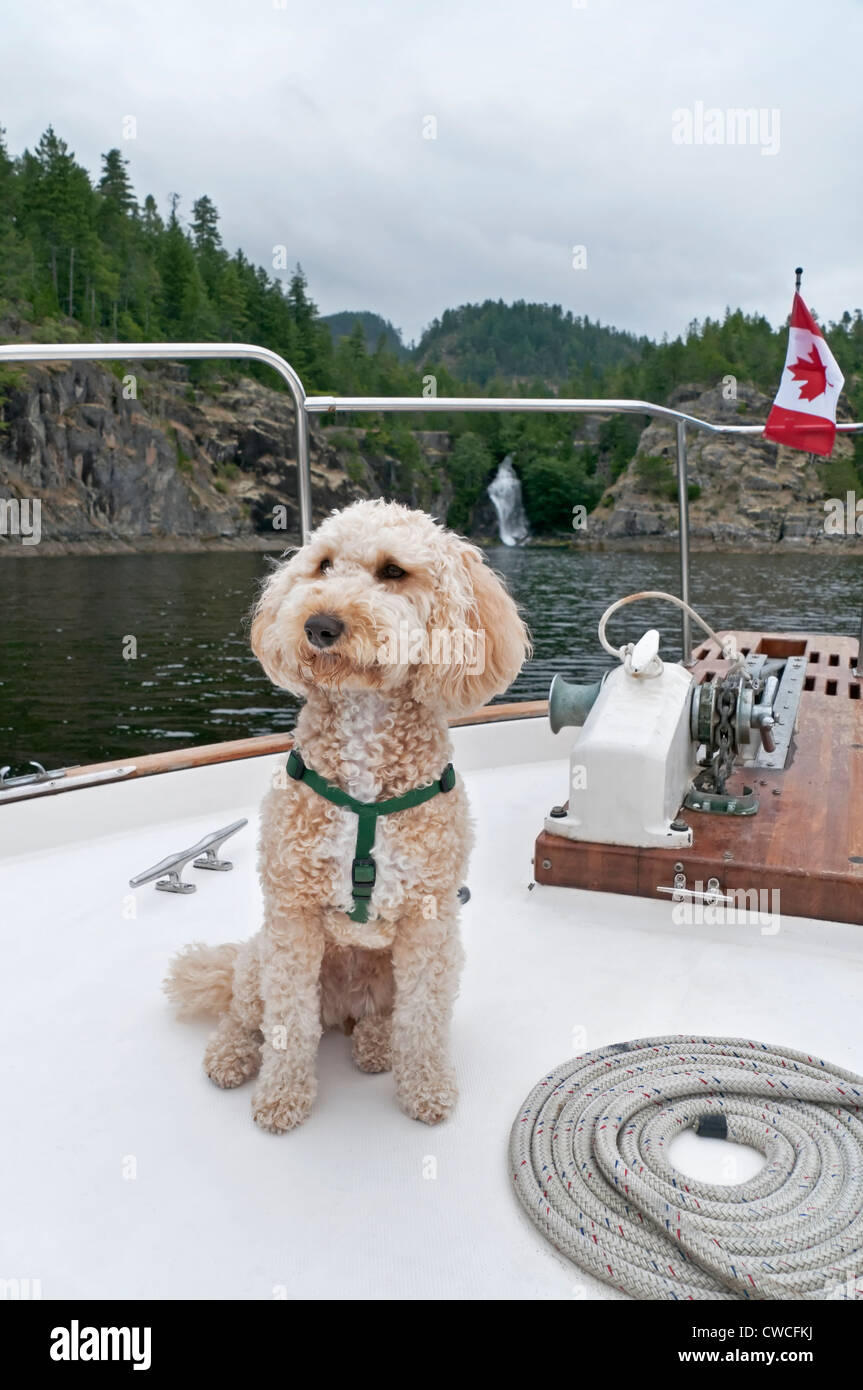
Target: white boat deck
{"x": 126, "y": 1173}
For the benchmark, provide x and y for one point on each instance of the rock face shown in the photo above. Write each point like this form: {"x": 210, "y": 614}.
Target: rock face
{"x": 749, "y": 492}
{"x": 425, "y": 484}
{"x": 143, "y": 460}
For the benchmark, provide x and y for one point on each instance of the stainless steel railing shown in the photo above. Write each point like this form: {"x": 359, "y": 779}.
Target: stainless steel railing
{"x": 330, "y": 405}
{"x": 125, "y": 352}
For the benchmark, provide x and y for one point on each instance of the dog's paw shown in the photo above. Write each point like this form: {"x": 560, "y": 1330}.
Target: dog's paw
{"x": 370, "y": 1044}
{"x": 430, "y": 1097}
{"x": 277, "y": 1110}
{"x": 229, "y": 1061}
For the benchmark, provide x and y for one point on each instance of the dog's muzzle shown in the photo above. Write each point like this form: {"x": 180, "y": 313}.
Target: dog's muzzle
{"x": 323, "y": 630}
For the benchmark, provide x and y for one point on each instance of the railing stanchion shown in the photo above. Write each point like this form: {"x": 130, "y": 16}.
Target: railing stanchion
{"x": 683, "y": 511}
{"x": 304, "y": 469}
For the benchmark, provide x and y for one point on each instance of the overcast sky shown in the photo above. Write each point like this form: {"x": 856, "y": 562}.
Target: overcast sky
{"x": 308, "y": 126}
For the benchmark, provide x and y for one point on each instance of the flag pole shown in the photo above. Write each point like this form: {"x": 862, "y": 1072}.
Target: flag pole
{"x": 798, "y": 276}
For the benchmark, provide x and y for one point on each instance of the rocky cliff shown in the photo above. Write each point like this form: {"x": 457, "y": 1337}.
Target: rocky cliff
{"x": 142, "y": 459}
{"x": 744, "y": 491}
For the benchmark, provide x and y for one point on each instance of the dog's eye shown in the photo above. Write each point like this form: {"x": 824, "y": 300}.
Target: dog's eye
{"x": 326, "y": 564}
{"x": 391, "y": 571}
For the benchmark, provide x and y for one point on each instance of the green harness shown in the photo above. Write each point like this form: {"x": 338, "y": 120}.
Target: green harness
{"x": 363, "y": 872}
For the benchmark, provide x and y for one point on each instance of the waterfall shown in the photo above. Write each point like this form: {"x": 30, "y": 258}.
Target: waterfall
{"x": 505, "y": 493}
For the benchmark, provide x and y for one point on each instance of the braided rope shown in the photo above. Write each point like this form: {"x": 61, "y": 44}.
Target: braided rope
{"x": 588, "y": 1157}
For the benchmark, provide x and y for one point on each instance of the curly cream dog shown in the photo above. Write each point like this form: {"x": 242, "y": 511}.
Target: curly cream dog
{"x": 388, "y": 625}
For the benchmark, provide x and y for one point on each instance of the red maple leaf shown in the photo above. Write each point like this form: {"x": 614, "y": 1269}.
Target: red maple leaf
{"x": 812, "y": 372}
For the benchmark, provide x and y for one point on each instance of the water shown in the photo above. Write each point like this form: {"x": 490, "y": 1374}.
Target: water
{"x": 505, "y": 493}
{"x": 67, "y": 695}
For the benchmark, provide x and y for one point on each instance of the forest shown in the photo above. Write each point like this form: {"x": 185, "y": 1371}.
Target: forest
{"x": 84, "y": 257}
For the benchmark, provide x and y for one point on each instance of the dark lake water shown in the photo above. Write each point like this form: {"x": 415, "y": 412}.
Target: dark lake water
{"x": 68, "y": 696}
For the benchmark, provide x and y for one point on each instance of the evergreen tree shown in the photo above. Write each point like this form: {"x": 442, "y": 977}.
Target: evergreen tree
{"x": 470, "y": 467}
{"x": 231, "y": 304}
{"x": 313, "y": 342}
{"x": 178, "y": 272}
{"x": 152, "y": 226}
{"x": 205, "y": 227}
{"x": 16, "y": 256}
{"x": 207, "y": 242}
{"x": 58, "y": 213}
{"x": 115, "y": 185}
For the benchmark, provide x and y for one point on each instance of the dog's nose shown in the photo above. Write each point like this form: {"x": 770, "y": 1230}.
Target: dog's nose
{"x": 323, "y": 629}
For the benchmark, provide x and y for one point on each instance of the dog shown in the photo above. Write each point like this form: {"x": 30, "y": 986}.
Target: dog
{"x": 388, "y": 625}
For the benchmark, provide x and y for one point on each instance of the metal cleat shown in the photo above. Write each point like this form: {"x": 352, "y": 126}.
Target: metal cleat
{"x": 209, "y": 859}
{"x": 168, "y": 872}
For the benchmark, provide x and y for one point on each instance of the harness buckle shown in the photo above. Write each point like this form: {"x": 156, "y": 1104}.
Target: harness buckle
{"x": 363, "y": 875}
{"x": 295, "y": 767}
{"x": 447, "y": 781}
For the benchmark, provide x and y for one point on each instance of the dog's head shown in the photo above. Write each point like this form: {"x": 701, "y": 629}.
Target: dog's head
{"x": 382, "y": 598}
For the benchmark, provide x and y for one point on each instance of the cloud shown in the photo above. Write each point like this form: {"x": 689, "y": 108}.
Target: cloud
{"x": 554, "y": 128}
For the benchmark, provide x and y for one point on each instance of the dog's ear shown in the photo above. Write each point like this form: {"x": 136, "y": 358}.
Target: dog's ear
{"x": 266, "y": 639}
{"x": 489, "y": 643}
{"x": 503, "y": 642}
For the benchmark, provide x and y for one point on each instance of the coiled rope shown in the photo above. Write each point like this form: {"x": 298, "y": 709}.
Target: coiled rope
{"x": 588, "y": 1155}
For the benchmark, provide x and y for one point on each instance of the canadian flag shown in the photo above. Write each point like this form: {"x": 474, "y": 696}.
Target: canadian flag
{"x": 804, "y": 411}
